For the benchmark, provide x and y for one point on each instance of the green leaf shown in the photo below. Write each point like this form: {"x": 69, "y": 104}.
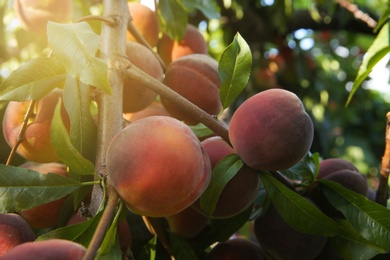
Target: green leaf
{"x": 200, "y": 130}
{"x": 22, "y": 189}
{"x": 181, "y": 248}
{"x": 234, "y": 69}
{"x": 173, "y": 18}
{"x": 305, "y": 170}
{"x": 210, "y": 9}
{"x": 379, "y": 48}
{"x": 297, "y": 211}
{"x": 33, "y": 80}
{"x": 370, "y": 219}
{"x": 66, "y": 151}
{"x": 384, "y": 17}
{"x": 75, "y": 45}
{"x": 222, "y": 173}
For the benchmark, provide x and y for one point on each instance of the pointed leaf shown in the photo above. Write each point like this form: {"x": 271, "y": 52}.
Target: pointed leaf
{"x": 305, "y": 170}
{"x": 21, "y": 188}
{"x": 66, "y": 151}
{"x": 384, "y": 17}
{"x": 173, "y": 18}
{"x": 181, "y": 248}
{"x": 111, "y": 234}
{"x": 200, "y": 130}
{"x": 234, "y": 69}
{"x": 33, "y": 80}
{"x": 297, "y": 211}
{"x": 379, "y": 48}
{"x": 209, "y": 8}
{"x": 222, "y": 173}
{"x": 370, "y": 219}
{"x": 75, "y": 45}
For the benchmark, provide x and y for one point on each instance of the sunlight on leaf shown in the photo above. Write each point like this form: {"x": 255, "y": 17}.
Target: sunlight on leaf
{"x": 173, "y": 18}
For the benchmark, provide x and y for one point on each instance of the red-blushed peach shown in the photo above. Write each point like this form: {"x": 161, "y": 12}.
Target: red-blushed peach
{"x": 240, "y": 192}
{"x": 236, "y": 249}
{"x": 135, "y": 95}
{"x": 187, "y": 223}
{"x": 58, "y": 249}
{"x": 146, "y": 22}
{"x": 158, "y": 166}
{"x": 34, "y": 14}
{"x": 36, "y": 145}
{"x": 154, "y": 109}
{"x": 192, "y": 42}
{"x": 331, "y": 165}
{"x": 196, "y": 78}
{"x": 271, "y": 130}
{"x": 45, "y": 215}
{"x": 14, "y": 231}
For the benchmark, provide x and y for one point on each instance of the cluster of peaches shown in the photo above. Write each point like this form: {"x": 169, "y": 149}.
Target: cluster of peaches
{"x": 158, "y": 166}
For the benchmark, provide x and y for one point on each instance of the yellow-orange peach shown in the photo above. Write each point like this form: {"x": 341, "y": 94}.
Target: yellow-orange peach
{"x": 154, "y": 109}
{"x": 135, "y": 95}
{"x": 271, "y": 130}
{"x": 158, "y": 166}
{"x": 192, "y": 42}
{"x": 196, "y": 78}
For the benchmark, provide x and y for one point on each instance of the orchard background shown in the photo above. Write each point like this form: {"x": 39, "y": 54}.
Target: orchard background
{"x": 321, "y": 51}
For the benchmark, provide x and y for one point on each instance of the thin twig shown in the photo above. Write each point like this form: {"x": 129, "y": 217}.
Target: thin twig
{"x": 157, "y": 226}
{"x": 382, "y": 194}
{"x": 354, "y": 9}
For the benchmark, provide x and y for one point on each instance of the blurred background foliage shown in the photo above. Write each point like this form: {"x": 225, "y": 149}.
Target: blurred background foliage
{"x": 311, "y": 47}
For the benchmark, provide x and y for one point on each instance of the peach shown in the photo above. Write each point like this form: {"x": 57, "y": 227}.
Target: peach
{"x": 331, "y": 165}
{"x": 271, "y": 130}
{"x": 196, "y": 78}
{"x": 240, "y": 192}
{"x": 58, "y": 249}
{"x": 36, "y": 145}
{"x": 34, "y": 14}
{"x": 46, "y": 215}
{"x": 158, "y": 166}
{"x": 154, "y": 109}
{"x": 135, "y": 95}
{"x": 146, "y": 22}
{"x": 14, "y": 231}
{"x": 192, "y": 42}
{"x": 236, "y": 249}
{"x": 187, "y": 223}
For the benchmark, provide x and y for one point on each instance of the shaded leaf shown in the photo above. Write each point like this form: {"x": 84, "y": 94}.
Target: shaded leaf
{"x": 22, "y": 189}
{"x": 200, "y": 130}
{"x": 371, "y": 220}
{"x": 222, "y": 173}
{"x": 180, "y": 247}
{"x": 234, "y": 69}
{"x": 66, "y": 151}
{"x": 210, "y": 9}
{"x": 75, "y": 45}
{"x": 384, "y": 17}
{"x": 33, "y": 80}
{"x": 305, "y": 170}
{"x": 296, "y": 210}
{"x": 173, "y": 18}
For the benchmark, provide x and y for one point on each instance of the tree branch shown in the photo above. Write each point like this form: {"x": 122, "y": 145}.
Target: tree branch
{"x": 382, "y": 193}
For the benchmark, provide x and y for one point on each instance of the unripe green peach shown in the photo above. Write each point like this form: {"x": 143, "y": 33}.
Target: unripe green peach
{"x": 271, "y": 130}
{"x": 192, "y": 42}
{"x": 135, "y": 95}
{"x": 158, "y": 166}
{"x": 196, "y": 78}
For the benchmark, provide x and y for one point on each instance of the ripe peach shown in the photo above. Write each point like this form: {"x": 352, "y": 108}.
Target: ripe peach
{"x": 192, "y": 42}
{"x": 58, "y": 249}
{"x": 240, "y": 192}
{"x": 281, "y": 241}
{"x": 135, "y": 95}
{"x": 46, "y": 215}
{"x": 271, "y": 130}
{"x": 196, "y": 78}
{"x": 34, "y": 14}
{"x": 36, "y": 145}
{"x": 14, "y": 230}
{"x": 236, "y": 249}
{"x": 187, "y": 223}
{"x": 146, "y": 22}
{"x": 331, "y": 165}
{"x": 158, "y": 166}
{"x": 154, "y": 109}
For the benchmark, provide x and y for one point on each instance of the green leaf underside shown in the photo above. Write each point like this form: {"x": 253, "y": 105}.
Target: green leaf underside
{"x": 222, "y": 173}
{"x": 33, "y": 80}
{"x": 305, "y": 170}
{"x": 173, "y": 18}
{"x": 297, "y": 211}
{"x": 21, "y": 188}
{"x": 200, "y": 130}
{"x": 66, "y": 151}
{"x": 371, "y": 220}
{"x": 75, "y": 45}
{"x": 209, "y": 8}
{"x": 379, "y": 48}
{"x": 234, "y": 69}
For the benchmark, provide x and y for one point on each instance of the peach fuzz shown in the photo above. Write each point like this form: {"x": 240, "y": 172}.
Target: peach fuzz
{"x": 158, "y": 166}
{"x": 271, "y": 130}
{"x": 192, "y": 42}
